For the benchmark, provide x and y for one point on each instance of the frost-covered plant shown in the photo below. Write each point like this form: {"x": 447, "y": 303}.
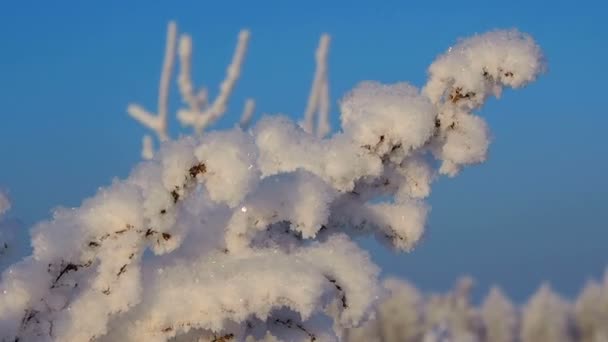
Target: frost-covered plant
{"x": 453, "y": 315}
{"x": 199, "y": 111}
{"x": 408, "y": 315}
{"x": 500, "y": 317}
{"x": 399, "y": 317}
{"x": 591, "y": 312}
{"x": 546, "y": 317}
{"x": 247, "y": 235}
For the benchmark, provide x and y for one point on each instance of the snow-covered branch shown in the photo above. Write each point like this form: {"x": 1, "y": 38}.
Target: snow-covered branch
{"x": 247, "y": 234}
{"x": 463, "y": 78}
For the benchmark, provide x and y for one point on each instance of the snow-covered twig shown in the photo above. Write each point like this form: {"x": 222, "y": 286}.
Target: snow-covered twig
{"x": 247, "y": 114}
{"x": 184, "y": 80}
{"x": 158, "y": 122}
{"x": 147, "y": 151}
{"x": 318, "y": 100}
{"x": 199, "y": 113}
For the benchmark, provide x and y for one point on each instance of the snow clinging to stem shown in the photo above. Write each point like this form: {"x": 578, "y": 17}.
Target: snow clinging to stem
{"x": 248, "y": 234}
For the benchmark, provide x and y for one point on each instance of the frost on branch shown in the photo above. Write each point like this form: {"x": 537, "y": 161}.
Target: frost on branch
{"x": 247, "y": 114}
{"x": 318, "y": 100}
{"x": 199, "y": 112}
{"x": 462, "y": 79}
{"x": 247, "y": 235}
{"x": 158, "y": 122}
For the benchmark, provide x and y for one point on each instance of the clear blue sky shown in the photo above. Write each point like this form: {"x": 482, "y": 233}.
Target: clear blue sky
{"x": 535, "y": 211}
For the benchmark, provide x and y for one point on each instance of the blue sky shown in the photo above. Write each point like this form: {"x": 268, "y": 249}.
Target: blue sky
{"x": 535, "y": 211}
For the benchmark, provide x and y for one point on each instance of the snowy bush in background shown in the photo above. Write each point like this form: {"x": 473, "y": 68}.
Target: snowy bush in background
{"x": 407, "y": 315}
{"x": 591, "y": 311}
{"x": 246, "y": 234}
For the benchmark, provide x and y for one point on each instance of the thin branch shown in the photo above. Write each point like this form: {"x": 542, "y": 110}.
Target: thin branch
{"x": 290, "y": 324}
{"x": 184, "y": 80}
{"x": 323, "y": 126}
{"x": 318, "y": 100}
{"x": 232, "y": 74}
{"x": 165, "y": 78}
{"x": 197, "y": 115}
{"x": 247, "y": 114}
{"x": 158, "y": 122}
{"x": 147, "y": 151}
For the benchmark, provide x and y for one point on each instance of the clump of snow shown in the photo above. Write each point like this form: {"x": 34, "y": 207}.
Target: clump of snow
{"x": 230, "y": 161}
{"x": 384, "y": 116}
{"x": 481, "y": 65}
{"x": 339, "y": 160}
{"x": 461, "y": 80}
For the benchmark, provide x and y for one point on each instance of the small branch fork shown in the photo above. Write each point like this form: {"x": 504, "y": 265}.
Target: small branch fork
{"x": 158, "y": 123}
{"x": 200, "y": 112}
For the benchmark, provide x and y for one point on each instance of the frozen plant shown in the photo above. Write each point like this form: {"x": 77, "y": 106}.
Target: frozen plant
{"x": 546, "y": 317}
{"x": 591, "y": 312}
{"x": 406, "y": 315}
{"x": 247, "y": 235}
{"x": 200, "y": 112}
{"x": 499, "y": 317}
{"x": 399, "y": 316}
{"x": 453, "y": 315}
